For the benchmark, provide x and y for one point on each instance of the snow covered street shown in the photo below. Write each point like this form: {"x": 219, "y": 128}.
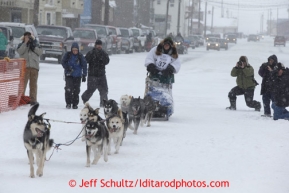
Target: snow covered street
{"x": 202, "y": 141}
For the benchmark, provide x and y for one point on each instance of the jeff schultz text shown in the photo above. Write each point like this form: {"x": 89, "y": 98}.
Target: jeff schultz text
{"x": 149, "y": 183}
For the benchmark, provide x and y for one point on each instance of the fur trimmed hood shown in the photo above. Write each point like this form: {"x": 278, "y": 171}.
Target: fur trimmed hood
{"x": 173, "y": 52}
{"x": 244, "y": 59}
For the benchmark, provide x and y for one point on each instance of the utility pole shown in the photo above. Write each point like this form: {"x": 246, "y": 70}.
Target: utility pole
{"x": 106, "y": 12}
{"x": 167, "y": 14}
{"x": 205, "y": 33}
{"x": 212, "y": 19}
{"x": 270, "y": 23}
{"x": 192, "y": 16}
{"x": 199, "y": 30}
{"x": 179, "y": 16}
{"x": 222, "y": 11}
{"x": 277, "y": 21}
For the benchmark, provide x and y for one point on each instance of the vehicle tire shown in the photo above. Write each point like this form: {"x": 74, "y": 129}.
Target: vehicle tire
{"x": 127, "y": 51}
{"x": 207, "y": 49}
{"x": 274, "y": 45}
{"x": 42, "y": 57}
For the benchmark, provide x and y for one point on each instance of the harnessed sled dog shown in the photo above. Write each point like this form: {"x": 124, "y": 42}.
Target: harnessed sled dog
{"x": 36, "y": 140}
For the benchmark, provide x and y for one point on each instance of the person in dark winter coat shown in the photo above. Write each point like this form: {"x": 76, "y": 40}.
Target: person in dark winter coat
{"x": 280, "y": 79}
{"x": 179, "y": 38}
{"x": 97, "y": 58}
{"x": 245, "y": 85}
{"x": 162, "y": 61}
{"x": 75, "y": 70}
{"x": 266, "y": 88}
{"x": 30, "y": 50}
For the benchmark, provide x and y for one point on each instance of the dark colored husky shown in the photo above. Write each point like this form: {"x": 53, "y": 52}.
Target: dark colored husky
{"x": 97, "y": 138}
{"x": 149, "y": 108}
{"x": 110, "y": 108}
{"x": 36, "y": 140}
{"x": 135, "y": 112}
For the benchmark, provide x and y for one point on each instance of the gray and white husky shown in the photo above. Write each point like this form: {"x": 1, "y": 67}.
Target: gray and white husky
{"x": 36, "y": 140}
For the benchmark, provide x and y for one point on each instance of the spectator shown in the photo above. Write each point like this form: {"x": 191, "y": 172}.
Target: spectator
{"x": 97, "y": 58}
{"x": 30, "y": 51}
{"x": 280, "y": 79}
{"x": 266, "y": 88}
{"x": 75, "y": 69}
{"x": 3, "y": 44}
{"x": 245, "y": 84}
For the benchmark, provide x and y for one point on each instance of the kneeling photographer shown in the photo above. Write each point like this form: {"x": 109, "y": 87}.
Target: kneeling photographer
{"x": 280, "y": 79}
{"x": 30, "y": 51}
{"x": 245, "y": 85}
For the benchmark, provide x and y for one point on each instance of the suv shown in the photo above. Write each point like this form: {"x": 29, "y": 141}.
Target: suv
{"x": 18, "y": 30}
{"x": 127, "y": 40}
{"x": 223, "y": 43}
{"x": 10, "y": 49}
{"x": 253, "y": 37}
{"x": 54, "y": 40}
{"x": 139, "y": 39}
{"x": 280, "y": 40}
{"x": 231, "y": 38}
{"x": 86, "y": 37}
{"x": 116, "y": 39}
{"x": 213, "y": 43}
{"x": 104, "y": 34}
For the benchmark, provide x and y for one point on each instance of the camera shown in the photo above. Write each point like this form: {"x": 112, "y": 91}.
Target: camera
{"x": 239, "y": 63}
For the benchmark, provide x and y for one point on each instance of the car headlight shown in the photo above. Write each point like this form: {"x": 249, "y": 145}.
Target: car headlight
{"x": 217, "y": 44}
{"x": 209, "y": 44}
{"x": 227, "y": 39}
{"x": 233, "y": 39}
{"x": 90, "y": 45}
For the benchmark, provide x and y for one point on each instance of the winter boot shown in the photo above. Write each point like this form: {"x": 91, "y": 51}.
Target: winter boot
{"x": 68, "y": 106}
{"x": 75, "y": 107}
{"x": 258, "y": 107}
{"x": 233, "y": 106}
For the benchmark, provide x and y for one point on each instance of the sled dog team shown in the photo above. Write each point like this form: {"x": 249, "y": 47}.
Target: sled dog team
{"x": 97, "y": 132}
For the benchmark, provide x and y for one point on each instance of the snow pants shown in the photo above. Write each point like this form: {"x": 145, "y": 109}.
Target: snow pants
{"x": 72, "y": 90}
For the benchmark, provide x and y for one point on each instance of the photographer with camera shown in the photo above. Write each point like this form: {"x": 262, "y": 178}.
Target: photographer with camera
{"x": 97, "y": 59}
{"x": 30, "y": 51}
{"x": 245, "y": 84}
{"x": 75, "y": 70}
{"x": 280, "y": 79}
{"x": 267, "y": 84}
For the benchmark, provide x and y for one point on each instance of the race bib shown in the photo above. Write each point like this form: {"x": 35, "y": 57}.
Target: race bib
{"x": 163, "y": 61}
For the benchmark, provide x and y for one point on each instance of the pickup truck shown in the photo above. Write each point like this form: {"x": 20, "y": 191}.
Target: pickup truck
{"x": 139, "y": 39}
{"x": 54, "y": 40}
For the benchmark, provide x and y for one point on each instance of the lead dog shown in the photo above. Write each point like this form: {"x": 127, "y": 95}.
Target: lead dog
{"x": 115, "y": 126}
{"x": 97, "y": 139}
{"x": 36, "y": 140}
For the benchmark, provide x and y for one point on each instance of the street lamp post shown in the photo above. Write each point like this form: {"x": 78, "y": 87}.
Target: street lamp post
{"x": 167, "y": 14}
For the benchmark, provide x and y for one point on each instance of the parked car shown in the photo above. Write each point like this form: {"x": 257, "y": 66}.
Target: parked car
{"x": 201, "y": 40}
{"x": 104, "y": 34}
{"x": 54, "y": 40}
{"x": 280, "y": 40}
{"x": 139, "y": 39}
{"x": 212, "y": 43}
{"x": 10, "y": 48}
{"x": 116, "y": 39}
{"x": 231, "y": 38}
{"x": 86, "y": 38}
{"x": 195, "y": 39}
{"x": 18, "y": 30}
{"x": 223, "y": 43}
{"x": 253, "y": 37}
{"x": 127, "y": 43}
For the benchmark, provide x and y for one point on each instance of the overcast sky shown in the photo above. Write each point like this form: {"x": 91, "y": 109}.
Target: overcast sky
{"x": 249, "y": 12}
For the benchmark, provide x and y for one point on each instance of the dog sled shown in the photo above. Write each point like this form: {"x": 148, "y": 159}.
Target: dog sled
{"x": 162, "y": 93}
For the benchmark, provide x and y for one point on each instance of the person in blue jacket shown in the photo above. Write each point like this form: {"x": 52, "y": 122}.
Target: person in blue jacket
{"x": 75, "y": 71}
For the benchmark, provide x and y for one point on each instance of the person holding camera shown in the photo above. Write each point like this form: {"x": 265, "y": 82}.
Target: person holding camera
{"x": 267, "y": 84}
{"x": 97, "y": 59}
{"x": 30, "y": 51}
{"x": 245, "y": 84}
{"x": 75, "y": 70}
{"x": 280, "y": 78}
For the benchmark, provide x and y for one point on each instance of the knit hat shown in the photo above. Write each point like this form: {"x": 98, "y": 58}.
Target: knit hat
{"x": 27, "y": 33}
{"x": 98, "y": 42}
{"x": 168, "y": 40}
